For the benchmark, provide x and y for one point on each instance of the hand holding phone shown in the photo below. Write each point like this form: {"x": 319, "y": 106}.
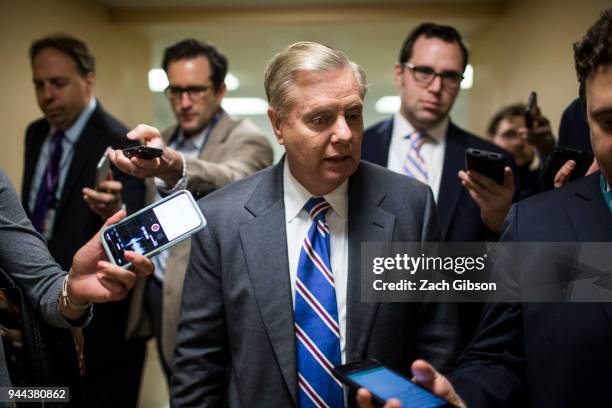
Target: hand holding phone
{"x": 385, "y": 383}
{"x": 559, "y": 156}
{"x": 154, "y": 228}
{"x": 487, "y": 163}
{"x": 143, "y": 152}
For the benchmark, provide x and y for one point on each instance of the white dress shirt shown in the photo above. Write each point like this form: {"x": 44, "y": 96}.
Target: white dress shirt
{"x": 298, "y": 223}
{"x": 431, "y": 152}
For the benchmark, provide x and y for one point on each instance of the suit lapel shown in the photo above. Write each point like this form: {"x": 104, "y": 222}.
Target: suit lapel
{"x": 450, "y": 187}
{"x": 264, "y": 243}
{"x": 367, "y": 223}
{"x": 35, "y": 143}
{"x": 591, "y": 220}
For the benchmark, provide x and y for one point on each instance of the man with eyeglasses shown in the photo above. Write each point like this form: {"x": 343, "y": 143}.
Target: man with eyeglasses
{"x": 206, "y": 150}
{"x": 422, "y": 142}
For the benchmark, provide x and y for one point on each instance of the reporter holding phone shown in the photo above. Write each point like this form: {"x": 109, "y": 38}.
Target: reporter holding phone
{"x": 62, "y": 299}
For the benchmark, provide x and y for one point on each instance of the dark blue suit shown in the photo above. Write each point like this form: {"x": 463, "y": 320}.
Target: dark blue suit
{"x": 545, "y": 354}
{"x": 574, "y": 130}
{"x": 459, "y": 215}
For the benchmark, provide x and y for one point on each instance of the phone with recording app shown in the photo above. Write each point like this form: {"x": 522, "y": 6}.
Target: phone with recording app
{"x": 385, "y": 383}
{"x": 154, "y": 228}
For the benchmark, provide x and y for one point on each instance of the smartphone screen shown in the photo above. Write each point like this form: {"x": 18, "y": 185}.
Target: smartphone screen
{"x": 387, "y": 384}
{"x": 153, "y": 228}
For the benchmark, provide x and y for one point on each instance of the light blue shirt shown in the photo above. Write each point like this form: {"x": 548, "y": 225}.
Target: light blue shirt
{"x": 72, "y": 135}
{"x": 187, "y": 148}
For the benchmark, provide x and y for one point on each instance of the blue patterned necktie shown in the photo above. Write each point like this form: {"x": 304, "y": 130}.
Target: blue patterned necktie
{"x": 316, "y": 316}
{"x": 46, "y": 196}
{"x": 414, "y": 165}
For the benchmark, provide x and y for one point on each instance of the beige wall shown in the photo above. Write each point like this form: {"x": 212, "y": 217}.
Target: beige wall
{"x": 122, "y": 63}
{"x": 529, "y": 48}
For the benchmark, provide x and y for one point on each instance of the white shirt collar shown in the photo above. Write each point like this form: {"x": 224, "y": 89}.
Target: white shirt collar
{"x": 405, "y": 128}
{"x": 296, "y": 196}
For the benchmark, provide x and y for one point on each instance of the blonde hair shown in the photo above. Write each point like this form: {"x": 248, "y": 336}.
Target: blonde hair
{"x": 304, "y": 56}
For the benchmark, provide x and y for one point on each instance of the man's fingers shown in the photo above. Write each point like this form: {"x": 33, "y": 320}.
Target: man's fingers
{"x": 115, "y": 290}
{"x": 424, "y": 373}
{"x": 115, "y": 218}
{"x": 142, "y": 265}
{"x": 364, "y": 398}
{"x": 564, "y": 173}
{"x": 508, "y": 178}
{"x": 144, "y": 133}
{"x": 110, "y": 186}
{"x": 118, "y": 274}
{"x": 478, "y": 193}
{"x": 145, "y": 163}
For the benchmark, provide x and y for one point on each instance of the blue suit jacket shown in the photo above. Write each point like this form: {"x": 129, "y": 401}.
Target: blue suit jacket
{"x": 545, "y": 354}
{"x": 459, "y": 215}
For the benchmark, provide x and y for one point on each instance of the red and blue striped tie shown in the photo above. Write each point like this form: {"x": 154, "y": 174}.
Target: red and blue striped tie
{"x": 316, "y": 316}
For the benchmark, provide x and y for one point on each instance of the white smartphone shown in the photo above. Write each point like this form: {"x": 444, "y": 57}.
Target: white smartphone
{"x": 154, "y": 228}
{"x": 102, "y": 169}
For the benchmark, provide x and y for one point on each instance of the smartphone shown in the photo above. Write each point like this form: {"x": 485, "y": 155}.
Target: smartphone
{"x": 102, "y": 169}
{"x": 143, "y": 152}
{"x": 487, "y": 163}
{"x": 558, "y": 157}
{"x": 531, "y": 110}
{"x": 385, "y": 383}
{"x": 154, "y": 228}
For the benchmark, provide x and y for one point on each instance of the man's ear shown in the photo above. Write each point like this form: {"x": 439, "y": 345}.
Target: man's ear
{"x": 398, "y": 71}
{"x": 276, "y": 121}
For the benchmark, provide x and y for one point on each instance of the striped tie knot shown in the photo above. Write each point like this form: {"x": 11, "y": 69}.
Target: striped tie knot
{"x": 316, "y": 207}
{"x": 419, "y": 138}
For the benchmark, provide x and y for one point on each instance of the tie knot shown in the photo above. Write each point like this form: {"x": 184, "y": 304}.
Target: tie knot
{"x": 316, "y": 206}
{"x": 57, "y": 137}
{"x": 419, "y": 138}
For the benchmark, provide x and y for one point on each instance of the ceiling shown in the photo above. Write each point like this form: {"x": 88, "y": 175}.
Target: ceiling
{"x": 251, "y": 32}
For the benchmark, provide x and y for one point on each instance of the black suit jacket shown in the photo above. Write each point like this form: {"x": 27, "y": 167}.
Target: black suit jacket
{"x": 459, "y": 215}
{"x": 545, "y": 354}
{"x": 75, "y": 224}
{"x": 574, "y": 129}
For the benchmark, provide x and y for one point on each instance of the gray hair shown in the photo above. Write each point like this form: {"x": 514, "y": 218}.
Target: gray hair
{"x": 304, "y": 56}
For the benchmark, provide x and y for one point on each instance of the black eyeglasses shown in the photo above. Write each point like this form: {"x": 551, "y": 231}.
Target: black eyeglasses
{"x": 424, "y": 75}
{"x": 193, "y": 92}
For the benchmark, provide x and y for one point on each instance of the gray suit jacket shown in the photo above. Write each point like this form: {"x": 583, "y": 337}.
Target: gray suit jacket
{"x": 235, "y": 148}
{"x": 236, "y": 342}
{"x": 25, "y": 257}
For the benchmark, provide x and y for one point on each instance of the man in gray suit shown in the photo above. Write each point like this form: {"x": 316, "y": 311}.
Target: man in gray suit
{"x": 240, "y": 342}
{"x": 206, "y": 150}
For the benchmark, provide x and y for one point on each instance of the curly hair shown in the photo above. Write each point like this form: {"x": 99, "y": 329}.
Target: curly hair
{"x": 594, "y": 50}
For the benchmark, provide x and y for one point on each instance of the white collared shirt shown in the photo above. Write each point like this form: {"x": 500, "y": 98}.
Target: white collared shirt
{"x": 432, "y": 153}
{"x": 298, "y": 223}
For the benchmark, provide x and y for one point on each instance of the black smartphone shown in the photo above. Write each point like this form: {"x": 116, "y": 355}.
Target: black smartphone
{"x": 487, "y": 163}
{"x": 143, "y": 152}
{"x": 558, "y": 157}
{"x": 531, "y": 110}
{"x": 154, "y": 228}
{"x": 385, "y": 383}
